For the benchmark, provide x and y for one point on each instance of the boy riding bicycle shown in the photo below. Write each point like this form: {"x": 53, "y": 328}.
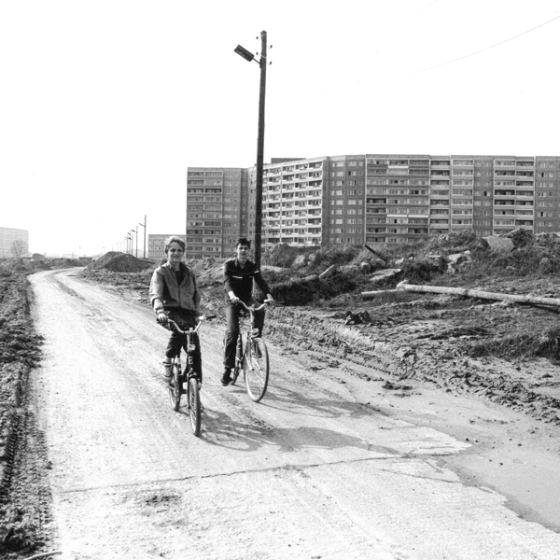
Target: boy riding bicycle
{"x": 239, "y": 273}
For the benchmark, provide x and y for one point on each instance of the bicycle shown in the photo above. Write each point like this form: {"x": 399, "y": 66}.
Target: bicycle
{"x": 187, "y": 381}
{"x": 252, "y": 357}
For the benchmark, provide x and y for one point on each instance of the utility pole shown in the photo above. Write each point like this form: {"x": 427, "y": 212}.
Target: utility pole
{"x": 260, "y": 152}
{"x": 262, "y": 62}
{"x": 144, "y": 225}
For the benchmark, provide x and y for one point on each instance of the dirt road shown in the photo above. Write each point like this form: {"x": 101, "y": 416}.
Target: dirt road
{"x": 320, "y": 469}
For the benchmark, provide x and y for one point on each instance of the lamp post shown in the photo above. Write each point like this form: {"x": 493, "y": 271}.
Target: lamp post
{"x": 244, "y": 53}
{"x": 144, "y": 226}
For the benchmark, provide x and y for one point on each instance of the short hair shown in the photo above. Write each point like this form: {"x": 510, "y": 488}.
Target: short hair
{"x": 174, "y": 239}
{"x": 243, "y": 241}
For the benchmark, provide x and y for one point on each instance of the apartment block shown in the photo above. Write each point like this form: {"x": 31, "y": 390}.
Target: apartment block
{"x": 372, "y": 198}
{"x": 294, "y": 208}
{"x": 217, "y": 210}
{"x": 13, "y": 242}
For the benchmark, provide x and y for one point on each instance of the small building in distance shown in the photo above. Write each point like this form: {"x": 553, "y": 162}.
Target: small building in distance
{"x": 13, "y": 242}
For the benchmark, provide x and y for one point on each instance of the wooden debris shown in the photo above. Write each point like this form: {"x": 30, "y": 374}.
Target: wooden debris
{"x": 374, "y": 293}
{"x": 479, "y": 294}
{"x": 329, "y": 272}
{"x": 377, "y": 254}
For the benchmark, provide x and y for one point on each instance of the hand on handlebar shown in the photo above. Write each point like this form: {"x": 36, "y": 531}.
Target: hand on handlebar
{"x": 162, "y": 318}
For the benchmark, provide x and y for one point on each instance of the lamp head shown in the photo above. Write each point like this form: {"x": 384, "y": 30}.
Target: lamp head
{"x": 244, "y": 53}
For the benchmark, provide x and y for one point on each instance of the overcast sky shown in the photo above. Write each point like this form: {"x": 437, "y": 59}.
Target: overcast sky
{"x": 104, "y": 104}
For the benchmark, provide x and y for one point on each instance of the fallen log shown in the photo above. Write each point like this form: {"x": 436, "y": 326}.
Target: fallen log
{"x": 329, "y": 272}
{"x": 374, "y": 293}
{"x": 465, "y": 292}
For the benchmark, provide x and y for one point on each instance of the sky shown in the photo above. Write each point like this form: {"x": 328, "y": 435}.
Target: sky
{"x": 105, "y": 104}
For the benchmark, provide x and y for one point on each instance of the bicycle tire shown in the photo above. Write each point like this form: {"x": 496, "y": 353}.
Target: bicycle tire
{"x": 175, "y": 387}
{"x": 256, "y": 367}
{"x": 193, "y": 397}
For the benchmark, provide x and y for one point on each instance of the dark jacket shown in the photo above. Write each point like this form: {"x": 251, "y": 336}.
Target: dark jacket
{"x": 164, "y": 287}
{"x": 240, "y": 280}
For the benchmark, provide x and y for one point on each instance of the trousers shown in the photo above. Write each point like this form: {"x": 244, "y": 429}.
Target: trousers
{"x": 233, "y": 311}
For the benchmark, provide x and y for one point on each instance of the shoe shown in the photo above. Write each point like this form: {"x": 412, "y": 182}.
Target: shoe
{"x": 226, "y": 377}
{"x": 167, "y": 370}
{"x": 255, "y": 333}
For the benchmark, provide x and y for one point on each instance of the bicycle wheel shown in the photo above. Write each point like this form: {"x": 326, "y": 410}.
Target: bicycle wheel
{"x": 238, "y": 360}
{"x": 175, "y": 387}
{"x": 256, "y": 368}
{"x": 194, "y": 405}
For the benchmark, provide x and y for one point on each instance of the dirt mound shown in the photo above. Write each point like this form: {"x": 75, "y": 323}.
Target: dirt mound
{"x": 120, "y": 262}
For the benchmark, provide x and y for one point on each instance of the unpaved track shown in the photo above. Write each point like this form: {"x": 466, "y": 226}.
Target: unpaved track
{"x": 311, "y": 472}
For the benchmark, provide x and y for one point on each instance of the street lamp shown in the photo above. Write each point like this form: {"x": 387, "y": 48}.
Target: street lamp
{"x": 244, "y": 53}
{"x": 144, "y": 226}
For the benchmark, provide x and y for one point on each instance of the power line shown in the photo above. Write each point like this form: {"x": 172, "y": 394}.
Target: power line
{"x": 481, "y": 50}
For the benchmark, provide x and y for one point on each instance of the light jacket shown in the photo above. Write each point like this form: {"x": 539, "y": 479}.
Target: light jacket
{"x": 164, "y": 287}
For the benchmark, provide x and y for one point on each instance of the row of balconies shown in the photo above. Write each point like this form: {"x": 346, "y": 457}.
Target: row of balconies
{"x": 514, "y": 164}
{"x": 291, "y": 223}
{"x": 284, "y": 235}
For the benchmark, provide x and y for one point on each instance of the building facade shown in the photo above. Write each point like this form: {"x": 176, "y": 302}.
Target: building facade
{"x": 13, "y": 242}
{"x": 217, "y": 210}
{"x": 373, "y": 199}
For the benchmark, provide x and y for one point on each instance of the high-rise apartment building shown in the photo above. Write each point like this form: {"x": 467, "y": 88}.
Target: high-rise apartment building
{"x": 372, "y": 198}
{"x": 13, "y": 242}
{"x": 217, "y": 210}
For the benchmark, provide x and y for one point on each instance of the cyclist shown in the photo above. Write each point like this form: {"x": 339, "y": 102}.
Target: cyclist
{"x": 174, "y": 295}
{"x": 239, "y": 273}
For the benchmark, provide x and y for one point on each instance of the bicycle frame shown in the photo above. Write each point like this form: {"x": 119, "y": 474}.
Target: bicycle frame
{"x": 190, "y": 347}
{"x": 252, "y": 358}
{"x": 241, "y": 348}
{"x": 188, "y": 380}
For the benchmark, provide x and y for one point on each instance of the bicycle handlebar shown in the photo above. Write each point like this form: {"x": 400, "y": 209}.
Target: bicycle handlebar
{"x": 194, "y": 329}
{"x": 251, "y": 308}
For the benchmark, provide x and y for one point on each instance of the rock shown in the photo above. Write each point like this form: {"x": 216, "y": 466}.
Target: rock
{"x": 312, "y": 258}
{"x": 357, "y": 318}
{"x": 349, "y": 268}
{"x": 499, "y": 243}
{"x": 366, "y": 267}
{"x": 300, "y": 261}
{"x": 459, "y": 258}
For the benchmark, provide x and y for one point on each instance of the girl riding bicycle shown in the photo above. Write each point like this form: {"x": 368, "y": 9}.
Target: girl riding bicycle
{"x": 174, "y": 295}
